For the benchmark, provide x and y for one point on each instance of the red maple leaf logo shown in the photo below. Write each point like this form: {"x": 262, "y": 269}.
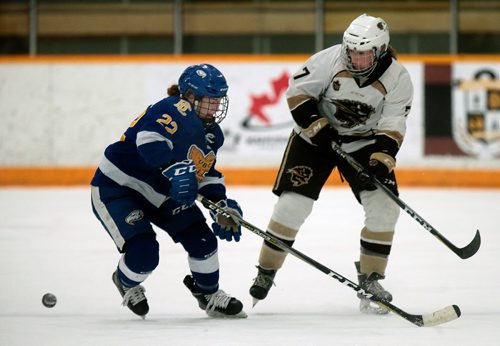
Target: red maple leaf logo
{"x": 279, "y": 86}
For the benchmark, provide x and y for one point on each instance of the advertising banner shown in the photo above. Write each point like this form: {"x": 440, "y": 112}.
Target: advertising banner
{"x": 60, "y": 113}
{"x": 71, "y": 112}
{"x": 476, "y": 108}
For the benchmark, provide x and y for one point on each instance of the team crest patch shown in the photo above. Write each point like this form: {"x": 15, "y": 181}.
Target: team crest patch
{"x": 336, "y": 85}
{"x": 135, "y": 215}
{"x": 300, "y": 175}
{"x": 476, "y": 119}
{"x": 203, "y": 162}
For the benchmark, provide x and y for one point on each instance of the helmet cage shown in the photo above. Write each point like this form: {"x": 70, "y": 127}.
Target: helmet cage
{"x": 203, "y": 107}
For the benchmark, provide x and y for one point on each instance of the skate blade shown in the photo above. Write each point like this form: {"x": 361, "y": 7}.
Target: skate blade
{"x": 370, "y": 308}
{"x": 216, "y": 314}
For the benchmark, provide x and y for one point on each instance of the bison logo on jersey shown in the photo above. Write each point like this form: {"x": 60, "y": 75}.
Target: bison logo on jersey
{"x": 300, "y": 175}
{"x": 203, "y": 162}
{"x": 352, "y": 113}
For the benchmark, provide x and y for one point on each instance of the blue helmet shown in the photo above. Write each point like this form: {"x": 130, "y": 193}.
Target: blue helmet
{"x": 203, "y": 80}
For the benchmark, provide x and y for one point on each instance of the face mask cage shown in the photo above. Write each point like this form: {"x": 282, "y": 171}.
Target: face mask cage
{"x": 212, "y": 110}
{"x": 351, "y": 66}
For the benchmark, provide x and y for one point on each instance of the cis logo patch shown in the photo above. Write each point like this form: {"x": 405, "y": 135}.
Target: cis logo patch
{"x": 134, "y": 216}
{"x": 300, "y": 175}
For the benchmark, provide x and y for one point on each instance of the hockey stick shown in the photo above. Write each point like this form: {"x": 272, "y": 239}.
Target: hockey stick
{"x": 464, "y": 252}
{"x": 441, "y": 316}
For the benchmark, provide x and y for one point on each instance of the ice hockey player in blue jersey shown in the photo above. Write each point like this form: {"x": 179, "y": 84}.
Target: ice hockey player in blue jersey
{"x": 152, "y": 175}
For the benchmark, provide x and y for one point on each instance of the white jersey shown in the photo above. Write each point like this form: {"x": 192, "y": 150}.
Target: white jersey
{"x": 379, "y": 108}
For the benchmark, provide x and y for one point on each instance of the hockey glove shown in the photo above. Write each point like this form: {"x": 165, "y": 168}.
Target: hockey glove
{"x": 227, "y": 228}
{"x": 379, "y": 167}
{"x": 184, "y": 185}
{"x": 320, "y": 133}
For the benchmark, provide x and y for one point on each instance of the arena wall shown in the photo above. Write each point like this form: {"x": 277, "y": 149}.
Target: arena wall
{"x": 59, "y": 113}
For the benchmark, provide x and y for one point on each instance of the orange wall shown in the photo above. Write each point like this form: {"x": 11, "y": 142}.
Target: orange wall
{"x": 421, "y": 177}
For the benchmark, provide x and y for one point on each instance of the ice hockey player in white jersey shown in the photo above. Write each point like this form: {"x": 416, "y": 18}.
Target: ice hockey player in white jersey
{"x": 358, "y": 95}
{"x": 152, "y": 175}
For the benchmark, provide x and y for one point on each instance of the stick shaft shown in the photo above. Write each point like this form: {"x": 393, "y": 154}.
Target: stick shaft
{"x": 418, "y": 320}
{"x": 463, "y": 253}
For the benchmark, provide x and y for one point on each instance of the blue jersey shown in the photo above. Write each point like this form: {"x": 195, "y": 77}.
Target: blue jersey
{"x": 167, "y": 132}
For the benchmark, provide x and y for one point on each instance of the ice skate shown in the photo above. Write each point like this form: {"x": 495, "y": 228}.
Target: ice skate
{"x": 371, "y": 284}
{"x": 133, "y": 297}
{"x": 262, "y": 284}
{"x": 218, "y": 304}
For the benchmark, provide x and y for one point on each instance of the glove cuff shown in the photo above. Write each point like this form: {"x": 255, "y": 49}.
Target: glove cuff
{"x": 384, "y": 158}
{"x": 178, "y": 168}
{"x": 315, "y": 127}
{"x": 222, "y": 203}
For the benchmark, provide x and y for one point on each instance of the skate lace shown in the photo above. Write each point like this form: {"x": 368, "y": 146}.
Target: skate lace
{"x": 217, "y": 300}
{"x": 264, "y": 281}
{"x": 376, "y": 288}
{"x": 134, "y": 295}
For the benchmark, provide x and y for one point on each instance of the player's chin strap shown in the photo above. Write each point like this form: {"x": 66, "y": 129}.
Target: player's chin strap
{"x": 444, "y": 315}
{"x": 464, "y": 252}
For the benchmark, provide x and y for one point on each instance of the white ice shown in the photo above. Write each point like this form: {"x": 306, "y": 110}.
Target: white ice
{"x": 51, "y": 242}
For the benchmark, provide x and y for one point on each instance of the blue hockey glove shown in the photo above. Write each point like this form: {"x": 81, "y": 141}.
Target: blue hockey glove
{"x": 227, "y": 228}
{"x": 184, "y": 185}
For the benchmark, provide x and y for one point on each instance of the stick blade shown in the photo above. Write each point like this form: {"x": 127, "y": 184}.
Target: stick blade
{"x": 471, "y": 249}
{"x": 444, "y": 315}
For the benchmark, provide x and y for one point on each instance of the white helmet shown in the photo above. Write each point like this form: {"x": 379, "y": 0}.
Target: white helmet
{"x": 365, "y": 33}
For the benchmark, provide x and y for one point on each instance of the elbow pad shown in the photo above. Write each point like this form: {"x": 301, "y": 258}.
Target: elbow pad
{"x": 386, "y": 145}
{"x": 305, "y": 113}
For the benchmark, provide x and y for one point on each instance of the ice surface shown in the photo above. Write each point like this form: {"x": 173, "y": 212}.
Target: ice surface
{"x": 51, "y": 242}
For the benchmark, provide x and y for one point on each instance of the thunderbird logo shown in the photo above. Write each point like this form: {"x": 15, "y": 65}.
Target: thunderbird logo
{"x": 203, "y": 162}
